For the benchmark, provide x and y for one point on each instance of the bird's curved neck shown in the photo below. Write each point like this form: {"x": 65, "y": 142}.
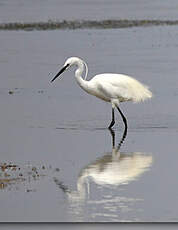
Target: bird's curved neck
{"x": 78, "y": 74}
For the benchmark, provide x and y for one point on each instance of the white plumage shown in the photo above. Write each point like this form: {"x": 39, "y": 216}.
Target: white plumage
{"x": 110, "y": 87}
{"x": 118, "y": 86}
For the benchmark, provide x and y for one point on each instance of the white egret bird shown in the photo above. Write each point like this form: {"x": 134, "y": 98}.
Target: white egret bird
{"x": 110, "y": 87}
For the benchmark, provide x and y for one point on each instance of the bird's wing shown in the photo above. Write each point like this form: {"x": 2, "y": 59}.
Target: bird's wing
{"x": 122, "y": 87}
{"x": 114, "y": 86}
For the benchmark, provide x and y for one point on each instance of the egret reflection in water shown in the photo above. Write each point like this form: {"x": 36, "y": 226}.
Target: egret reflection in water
{"x": 111, "y": 171}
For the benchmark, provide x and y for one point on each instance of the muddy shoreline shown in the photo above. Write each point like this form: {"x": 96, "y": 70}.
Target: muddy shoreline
{"x": 85, "y": 24}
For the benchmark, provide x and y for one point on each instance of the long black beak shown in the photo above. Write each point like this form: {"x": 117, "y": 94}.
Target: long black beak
{"x": 61, "y": 71}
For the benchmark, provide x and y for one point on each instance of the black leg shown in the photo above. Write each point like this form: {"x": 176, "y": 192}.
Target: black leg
{"x": 123, "y": 138}
{"x": 113, "y": 120}
{"x": 113, "y": 137}
{"x": 124, "y": 120}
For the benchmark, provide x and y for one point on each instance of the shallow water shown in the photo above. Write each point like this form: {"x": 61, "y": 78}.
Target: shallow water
{"x": 56, "y": 133}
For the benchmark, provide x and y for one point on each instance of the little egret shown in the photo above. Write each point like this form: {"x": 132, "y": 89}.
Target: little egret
{"x": 110, "y": 87}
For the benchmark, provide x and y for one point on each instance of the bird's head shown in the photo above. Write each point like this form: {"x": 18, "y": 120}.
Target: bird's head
{"x": 68, "y": 63}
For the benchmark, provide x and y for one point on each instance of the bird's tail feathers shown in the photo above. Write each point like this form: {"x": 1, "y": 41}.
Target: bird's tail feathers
{"x": 141, "y": 93}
